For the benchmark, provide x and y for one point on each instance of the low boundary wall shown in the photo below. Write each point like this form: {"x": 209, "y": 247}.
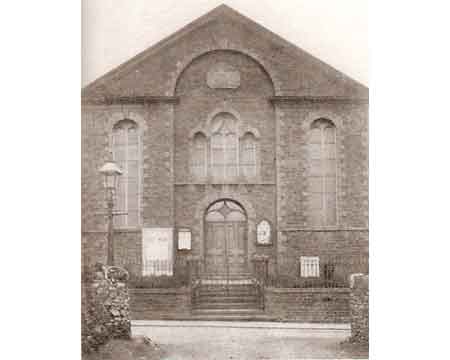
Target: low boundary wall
{"x": 283, "y": 304}
{"x": 359, "y": 306}
{"x": 308, "y": 305}
{"x": 160, "y": 304}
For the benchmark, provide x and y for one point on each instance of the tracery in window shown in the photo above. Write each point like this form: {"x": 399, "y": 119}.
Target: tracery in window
{"x": 224, "y": 145}
{"x": 322, "y": 176}
{"x": 224, "y": 155}
{"x": 126, "y": 152}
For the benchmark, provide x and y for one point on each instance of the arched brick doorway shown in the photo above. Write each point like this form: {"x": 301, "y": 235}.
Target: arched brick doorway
{"x": 226, "y": 227}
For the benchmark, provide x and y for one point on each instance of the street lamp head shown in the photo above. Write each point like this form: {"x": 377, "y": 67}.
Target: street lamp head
{"x": 111, "y": 173}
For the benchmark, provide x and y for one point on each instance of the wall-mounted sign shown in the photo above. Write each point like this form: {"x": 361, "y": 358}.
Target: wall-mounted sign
{"x": 184, "y": 239}
{"x": 223, "y": 76}
{"x": 157, "y": 251}
{"x": 264, "y": 233}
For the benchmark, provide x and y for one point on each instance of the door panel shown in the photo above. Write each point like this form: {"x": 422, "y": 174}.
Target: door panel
{"x": 226, "y": 239}
{"x": 236, "y": 251}
{"x": 226, "y": 247}
{"x": 215, "y": 250}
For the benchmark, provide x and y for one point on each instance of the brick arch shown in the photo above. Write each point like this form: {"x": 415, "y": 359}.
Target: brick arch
{"x": 205, "y": 125}
{"x": 203, "y": 205}
{"x": 117, "y": 116}
{"x": 187, "y": 60}
{"x": 331, "y": 116}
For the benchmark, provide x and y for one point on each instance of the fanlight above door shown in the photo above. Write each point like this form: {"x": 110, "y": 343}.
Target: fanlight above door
{"x": 224, "y": 211}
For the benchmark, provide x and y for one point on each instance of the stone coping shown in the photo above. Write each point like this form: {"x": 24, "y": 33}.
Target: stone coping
{"x": 307, "y": 290}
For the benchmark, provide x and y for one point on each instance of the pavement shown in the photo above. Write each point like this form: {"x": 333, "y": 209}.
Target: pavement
{"x": 217, "y": 340}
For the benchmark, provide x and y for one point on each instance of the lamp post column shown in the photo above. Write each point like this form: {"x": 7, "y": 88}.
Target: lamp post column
{"x": 110, "y": 235}
{"x": 110, "y": 171}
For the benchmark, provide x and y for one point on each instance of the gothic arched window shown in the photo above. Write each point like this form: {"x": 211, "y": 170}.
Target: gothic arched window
{"x": 126, "y": 153}
{"x": 199, "y": 155}
{"x": 223, "y": 155}
{"x": 248, "y": 155}
{"x": 224, "y": 147}
{"x": 322, "y": 175}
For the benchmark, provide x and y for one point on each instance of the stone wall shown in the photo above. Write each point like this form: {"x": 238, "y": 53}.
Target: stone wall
{"x": 308, "y": 305}
{"x": 105, "y": 310}
{"x": 158, "y": 304}
{"x": 359, "y": 307}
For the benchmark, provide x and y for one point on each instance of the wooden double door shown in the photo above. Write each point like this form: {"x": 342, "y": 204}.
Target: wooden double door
{"x": 226, "y": 239}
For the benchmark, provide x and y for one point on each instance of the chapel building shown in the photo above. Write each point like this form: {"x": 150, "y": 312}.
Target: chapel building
{"x": 235, "y": 145}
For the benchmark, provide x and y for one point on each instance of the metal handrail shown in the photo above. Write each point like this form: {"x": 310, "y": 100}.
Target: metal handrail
{"x": 260, "y": 292}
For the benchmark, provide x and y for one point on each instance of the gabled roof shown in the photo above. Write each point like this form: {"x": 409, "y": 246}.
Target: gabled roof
{"x": 337, "y": 79}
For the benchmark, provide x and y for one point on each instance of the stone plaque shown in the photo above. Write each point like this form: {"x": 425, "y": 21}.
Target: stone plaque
{"x": 263, "y": 233}
{"x": 157, "y": 251}
{"x": 223, "y": 76}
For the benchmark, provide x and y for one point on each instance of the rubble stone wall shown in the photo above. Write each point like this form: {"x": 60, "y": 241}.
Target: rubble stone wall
{"x": 105, "y": 312}
{"x": 359, "y": 307}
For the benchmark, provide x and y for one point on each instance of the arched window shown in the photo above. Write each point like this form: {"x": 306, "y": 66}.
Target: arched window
{"x": 199, "y": 151}
{"x": 322, "y": 175}
{"x": 248, "y": 155}
{"x": 224, "y": 145}
{"x": 126, "y": 152}
{"x": 224, "y": 154}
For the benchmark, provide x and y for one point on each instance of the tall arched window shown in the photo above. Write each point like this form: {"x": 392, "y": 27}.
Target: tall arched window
{"x": 248, "y": 155}
{"x": 224, "y": 147}
{"x": 322, "y": 175}
{"x": 199, "y": 155}
{"x": 126, "y": 152}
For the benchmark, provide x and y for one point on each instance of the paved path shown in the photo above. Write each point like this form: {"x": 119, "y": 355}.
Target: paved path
{"x": 185, "y": 340}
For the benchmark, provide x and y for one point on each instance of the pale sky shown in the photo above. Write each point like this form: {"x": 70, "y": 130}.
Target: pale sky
{"x": 335, "y": 31}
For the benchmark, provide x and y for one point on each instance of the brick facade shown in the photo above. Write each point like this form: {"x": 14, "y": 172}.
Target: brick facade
{"x": 282, "y": 90}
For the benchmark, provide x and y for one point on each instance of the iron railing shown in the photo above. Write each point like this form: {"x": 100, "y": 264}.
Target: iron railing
{"x": 331, "y": 272}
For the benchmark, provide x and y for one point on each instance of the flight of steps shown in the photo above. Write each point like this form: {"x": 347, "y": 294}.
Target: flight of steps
{"x": 235, "y": 299}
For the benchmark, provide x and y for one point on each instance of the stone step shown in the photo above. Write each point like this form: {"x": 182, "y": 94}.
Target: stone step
{"x": 226, "y": 295}
{"x": 230, "y": 287}
{"x": 227, "y": 305}
{"x": 224, "y": 276}
{"x": 229, "y": 312}
{"x": 209, "y": 298}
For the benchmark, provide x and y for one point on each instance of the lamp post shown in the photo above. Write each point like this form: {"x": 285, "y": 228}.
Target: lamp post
{"x": 111, "y": 173}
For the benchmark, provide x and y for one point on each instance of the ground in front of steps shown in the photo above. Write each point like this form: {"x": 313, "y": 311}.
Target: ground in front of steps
{"x": 220, "y": 340}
